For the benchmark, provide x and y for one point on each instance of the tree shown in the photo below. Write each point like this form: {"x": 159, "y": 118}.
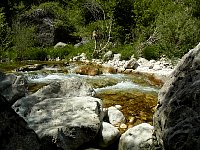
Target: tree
{"x": 5, "y": 37}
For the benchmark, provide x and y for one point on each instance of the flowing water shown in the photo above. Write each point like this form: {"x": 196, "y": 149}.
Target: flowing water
{"x": 136, "y": 96}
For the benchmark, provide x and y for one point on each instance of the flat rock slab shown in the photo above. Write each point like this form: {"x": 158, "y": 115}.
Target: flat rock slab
{"x": 64, "y": 111}
{"x": 71, "y": 121}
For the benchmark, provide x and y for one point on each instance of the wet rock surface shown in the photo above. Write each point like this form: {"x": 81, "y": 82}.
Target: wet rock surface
{"x": 177, "y": 119}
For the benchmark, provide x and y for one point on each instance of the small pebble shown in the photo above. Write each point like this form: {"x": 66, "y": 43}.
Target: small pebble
{"x": 123, "y": 126}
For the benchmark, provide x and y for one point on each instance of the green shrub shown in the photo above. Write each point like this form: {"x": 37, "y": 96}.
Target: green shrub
{"x": 36, "y": 54}
{"x": 59, "y": 52}
{"x": 86, "y": 48}
{"x": 152, "y": 52}
{"x": 125, "y": 50}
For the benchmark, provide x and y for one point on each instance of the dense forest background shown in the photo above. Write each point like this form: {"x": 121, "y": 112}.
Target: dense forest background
{"x": 147, "y": 28}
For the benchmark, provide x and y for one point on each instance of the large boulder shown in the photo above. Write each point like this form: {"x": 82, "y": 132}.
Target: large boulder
{"x": 45, "y": 22}
{"x": 13, "y": 87}
{"x": 14, "y": 131}
{"x": 137, "y": 138}
{"x": 177, "y": 117}
{"x": 64, "y": 111}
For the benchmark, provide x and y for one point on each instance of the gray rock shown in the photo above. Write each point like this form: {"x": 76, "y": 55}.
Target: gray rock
{"x": 68, "y": 88}
{"x": 60, "y": 45}
{"x": 132, "y": 64}
{"x": 108, "y": 56}
{"x": 47, "y": 33}
{"x": 108, "y": 134}
{"x": 43, "y": 20}
{"x": 65, "y": 111}
{"x": 117, "y": 57}
{"x": 137, "y": 138}
{"x": 70, "y": 121}
{"x": 14, "y": 131}
{"x": 115, "y": 116}
{"x": 31, "y": 67}
{"x": 13, "y": 87}
{"x": 177, "y": 118}
{"x": 143, "y": 62}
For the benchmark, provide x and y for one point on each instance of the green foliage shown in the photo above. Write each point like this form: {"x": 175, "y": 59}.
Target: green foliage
{"x": 126, "y": 51}
{"x": 86, "y": 48}
{"x": 59, "y": 52}
{"x": 177, "y": 30}
{"x": 173, "y": 25}
{"x": 5, "y": 38}
{"x": 23, "y": 39}
{"x": 152, "y": 52}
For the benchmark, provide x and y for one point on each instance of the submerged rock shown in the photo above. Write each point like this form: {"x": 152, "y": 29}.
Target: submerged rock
{"x": 177, "y": 118}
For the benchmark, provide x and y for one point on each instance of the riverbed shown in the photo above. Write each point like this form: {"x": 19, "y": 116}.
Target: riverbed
{"x": 134, "y": 93}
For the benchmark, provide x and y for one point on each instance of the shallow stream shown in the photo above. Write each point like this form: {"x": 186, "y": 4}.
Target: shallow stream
{"x": 136, "y": 96}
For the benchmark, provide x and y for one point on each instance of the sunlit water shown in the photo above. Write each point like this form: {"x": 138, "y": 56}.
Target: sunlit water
{"x": 137, "y": 100}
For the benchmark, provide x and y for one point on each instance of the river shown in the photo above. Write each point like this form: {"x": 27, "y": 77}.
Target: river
{"x": 133, "y": 92}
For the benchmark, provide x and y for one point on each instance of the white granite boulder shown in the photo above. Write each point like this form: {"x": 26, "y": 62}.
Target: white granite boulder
{"x": 115, "y": 116}
{"x": 137, "y": 138}
{"x": 64, "y": 111}
{"x": 108, "y": 134}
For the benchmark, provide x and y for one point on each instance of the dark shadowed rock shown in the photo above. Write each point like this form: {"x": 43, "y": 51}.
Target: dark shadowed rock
{"x": 14, "y": 131}
{"x": 13, "y": 87}
{"x": 47, "y": 32}
{"x": 177, "y": 117}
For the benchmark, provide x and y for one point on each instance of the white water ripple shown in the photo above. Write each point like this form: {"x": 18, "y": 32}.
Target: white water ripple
{"x": 125, "y": 85}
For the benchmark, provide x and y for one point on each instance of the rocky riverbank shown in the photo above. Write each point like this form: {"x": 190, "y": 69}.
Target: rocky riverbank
{"x": 66, "y": 115}
{"x": 160, "y": 69}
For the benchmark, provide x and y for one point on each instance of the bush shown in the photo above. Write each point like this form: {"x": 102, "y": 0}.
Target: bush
{"x": 86, "y": 48}
{"x": 152, "y": 52}
{"x": 59, "y": 52}
{"x": 125, "y": 50}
